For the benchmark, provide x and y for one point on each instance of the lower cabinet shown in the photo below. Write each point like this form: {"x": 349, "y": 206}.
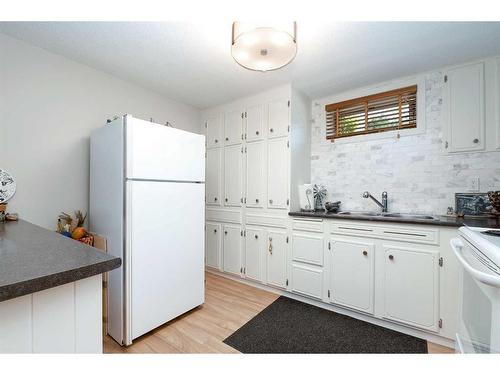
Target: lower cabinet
{"x": 352, "y": 274}
{"x": 276, "y": 257}
{"x": 254, "y": 243}
{"x": 232, "y": 248}
{"x": 213, "y": 245}
{"x": 411, "y": 286}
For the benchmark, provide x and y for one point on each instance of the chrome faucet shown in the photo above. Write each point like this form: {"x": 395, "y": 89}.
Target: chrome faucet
{"x": 382, "y": 205}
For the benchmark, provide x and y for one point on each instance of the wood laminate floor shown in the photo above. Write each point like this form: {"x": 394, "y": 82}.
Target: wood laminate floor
{"x": 228, "y": 305}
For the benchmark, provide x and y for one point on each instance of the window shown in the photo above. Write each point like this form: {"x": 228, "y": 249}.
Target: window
{"x": 386, "y": 111}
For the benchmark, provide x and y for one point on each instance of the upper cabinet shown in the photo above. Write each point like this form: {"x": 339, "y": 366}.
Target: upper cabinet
{"x": 278, "y": 118}
{"x": 471, "y": 107}
{"x": 464, "y": 108}
{"x": 233, "y": 128}
{"x": 254, "y": 117}
{"x": 213, "y": 130}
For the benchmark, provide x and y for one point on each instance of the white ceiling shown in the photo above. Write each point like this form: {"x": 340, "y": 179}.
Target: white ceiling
{"x": 191, "y": 63}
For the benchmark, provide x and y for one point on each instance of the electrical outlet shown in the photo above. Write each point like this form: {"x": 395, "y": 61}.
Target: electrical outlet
{"x": 473, "y": 184}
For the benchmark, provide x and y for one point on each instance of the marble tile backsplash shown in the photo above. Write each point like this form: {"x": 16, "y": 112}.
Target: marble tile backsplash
{"x": 415, "y": 172}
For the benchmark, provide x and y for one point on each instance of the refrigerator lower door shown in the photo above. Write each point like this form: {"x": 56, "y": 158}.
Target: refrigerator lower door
{"x": 166, "y": 252}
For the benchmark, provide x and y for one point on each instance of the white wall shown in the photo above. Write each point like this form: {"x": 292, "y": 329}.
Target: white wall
{"x": 414, "y": 170}
{"x": 48, "y": 107}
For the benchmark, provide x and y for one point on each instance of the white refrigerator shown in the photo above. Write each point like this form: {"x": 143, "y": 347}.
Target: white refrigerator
{"x": 147, "y": 197}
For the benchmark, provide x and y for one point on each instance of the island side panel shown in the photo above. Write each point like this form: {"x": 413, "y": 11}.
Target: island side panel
{"x": 64, "y": 319}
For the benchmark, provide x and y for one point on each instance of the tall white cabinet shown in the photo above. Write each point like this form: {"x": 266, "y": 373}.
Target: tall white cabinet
{"x": 250, "y": 182}
{"x": 471, "y": 95}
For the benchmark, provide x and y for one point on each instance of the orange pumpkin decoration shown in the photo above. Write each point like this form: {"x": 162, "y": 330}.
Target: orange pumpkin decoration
{"x": 78, "y": 232}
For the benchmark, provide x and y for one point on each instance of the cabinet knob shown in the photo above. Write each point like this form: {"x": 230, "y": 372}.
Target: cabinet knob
{"x": 227, "y": 139}
{"x": 365, "y": 253}
{"x": 257, "y": 132}
{"x": 216, "y": 141}
{"x": 391, "y": 257}
{"x": 271, "y": 130}
{"x": 215, "y": 230}
{"x": 256, "y": 237}
{"x": 256, "y": 200}
{"x": 475, "y": 140}
{"x": 225, "y": 232}
{"x": 226, "y": 199}
{"x": 215, "y": 199}
{"x": 270, "y": 201}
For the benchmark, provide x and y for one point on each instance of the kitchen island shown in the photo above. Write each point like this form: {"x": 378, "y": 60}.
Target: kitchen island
{"x": 50, "y": 291}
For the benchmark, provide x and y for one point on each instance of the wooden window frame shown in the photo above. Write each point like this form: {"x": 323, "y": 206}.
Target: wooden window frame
{"x": 333, "y": 110}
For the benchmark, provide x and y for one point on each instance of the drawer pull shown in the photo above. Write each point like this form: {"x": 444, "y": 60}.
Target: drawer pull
{"x": 270, "y": 246}
{"x": 405, "y": 234}
{"x": 360, "y": 229}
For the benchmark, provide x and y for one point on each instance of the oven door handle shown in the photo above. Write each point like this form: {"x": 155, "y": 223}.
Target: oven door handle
{"x": 485, "y": 278}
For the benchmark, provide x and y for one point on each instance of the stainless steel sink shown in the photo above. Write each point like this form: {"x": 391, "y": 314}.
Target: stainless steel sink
{"x": 411, "y": 216}
{"x": 360, "y": 213}
{"x": 389, "y": 215}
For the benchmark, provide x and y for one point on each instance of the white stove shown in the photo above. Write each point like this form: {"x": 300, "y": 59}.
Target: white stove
{"x": 478, "y": 252}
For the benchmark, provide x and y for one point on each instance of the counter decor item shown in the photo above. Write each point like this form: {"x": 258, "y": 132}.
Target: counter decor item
{"x": 3, "y": 209}
{"x": 332, "y": 207}
{"x": 7, "y": 186}
{"x": 472, "y": 204}
{"x": 494, "y": 197}
{"x": 320, "y": 193}
{"x": 306, "y": 198}
{"x": 72, "y": 227}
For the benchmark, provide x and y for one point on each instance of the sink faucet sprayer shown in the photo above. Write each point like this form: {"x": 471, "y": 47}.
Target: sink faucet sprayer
{"x": 382, "y": 205}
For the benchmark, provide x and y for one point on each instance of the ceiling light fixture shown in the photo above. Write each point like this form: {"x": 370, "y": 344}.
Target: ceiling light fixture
{"x": 264, "y": 48}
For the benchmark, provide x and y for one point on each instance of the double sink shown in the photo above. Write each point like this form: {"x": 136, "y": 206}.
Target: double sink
{"x": 389, "y": 215}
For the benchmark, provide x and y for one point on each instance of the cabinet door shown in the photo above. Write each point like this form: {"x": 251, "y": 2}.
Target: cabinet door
{"x": 308, "y": 248}
{"x": 255, "y": 169}
{"x": 254, "y": 241}
{"x": 276, "y": 258}
{"x": 255, "y": 124}
{"x": 278, "y": 118}
{"x": 213, "y": 127}
{"x": 212, "y": 245}
{"x": 465, "y": 108}
{"x": 213, "y": 176}
{"x": 233, "y": 128}
{"x": 411, "y": 286}
{"x": 232, "y": 249}
{"x": 352, "y": 276}
{"x": 233, "y": 175}
{"x": 277, "y": 173}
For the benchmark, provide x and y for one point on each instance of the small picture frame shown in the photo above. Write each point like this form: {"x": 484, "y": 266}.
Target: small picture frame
{"x": 472, "y": 204}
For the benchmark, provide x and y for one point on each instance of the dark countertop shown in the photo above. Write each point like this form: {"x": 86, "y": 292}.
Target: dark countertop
{"x": 34, "y": 259}
{"x": 446, "y": 221}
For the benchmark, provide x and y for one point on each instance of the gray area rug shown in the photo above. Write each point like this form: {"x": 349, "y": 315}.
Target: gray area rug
{"x": 290, "y": 326}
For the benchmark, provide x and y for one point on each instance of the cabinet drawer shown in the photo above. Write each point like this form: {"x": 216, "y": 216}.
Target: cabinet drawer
{"x": 403, "y": 233}
{"x": 417, "y": 235}
{"x": 307, "y": 248}
{"x": 307, "y": 280}
{"x": 308, "y": 225}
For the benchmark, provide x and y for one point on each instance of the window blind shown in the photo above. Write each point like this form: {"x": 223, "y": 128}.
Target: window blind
{"x": 390, "y": 110}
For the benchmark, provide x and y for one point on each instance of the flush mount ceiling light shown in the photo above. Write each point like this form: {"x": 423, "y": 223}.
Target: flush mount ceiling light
{"x": 264, "y": 48}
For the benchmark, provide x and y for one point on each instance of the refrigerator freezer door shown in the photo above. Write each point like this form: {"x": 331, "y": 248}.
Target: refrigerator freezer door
{"x": 158, "y": 152}
{"x": 166, "y": 242}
